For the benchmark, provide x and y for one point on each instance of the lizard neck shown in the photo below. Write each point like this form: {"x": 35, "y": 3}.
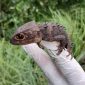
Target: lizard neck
{"x": 44, "y": 34}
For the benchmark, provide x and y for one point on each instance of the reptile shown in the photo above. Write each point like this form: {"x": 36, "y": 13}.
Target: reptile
{"x": 31, "y": 32}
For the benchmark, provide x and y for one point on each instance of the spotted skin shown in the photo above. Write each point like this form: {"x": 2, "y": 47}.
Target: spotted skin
{"x": 35, "y": 33}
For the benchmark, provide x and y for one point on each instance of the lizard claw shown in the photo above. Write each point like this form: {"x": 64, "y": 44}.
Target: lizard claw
{"x": 60, "y": 49}
{"x": 70, "y": 52}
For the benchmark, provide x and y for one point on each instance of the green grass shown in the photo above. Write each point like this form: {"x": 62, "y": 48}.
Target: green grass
{"x": 17, "y": 68}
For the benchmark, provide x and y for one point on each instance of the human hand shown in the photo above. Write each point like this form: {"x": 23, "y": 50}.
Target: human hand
{"x": 59, "y": 69}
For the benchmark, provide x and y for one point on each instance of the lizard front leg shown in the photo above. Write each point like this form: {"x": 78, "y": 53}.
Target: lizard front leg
{"x": 40, "y": 45}
{"x": 62, "y": 40}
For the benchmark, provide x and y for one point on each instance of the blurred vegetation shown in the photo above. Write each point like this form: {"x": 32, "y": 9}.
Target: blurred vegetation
{"x": 18, "y": 69}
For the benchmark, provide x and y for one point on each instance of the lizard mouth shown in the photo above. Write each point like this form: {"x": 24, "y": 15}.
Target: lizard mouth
{"x": 13, "y": 42}
{"x": 21, "y": 42}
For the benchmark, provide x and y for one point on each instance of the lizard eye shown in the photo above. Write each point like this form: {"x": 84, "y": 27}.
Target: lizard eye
{"x": 20, "y": 36}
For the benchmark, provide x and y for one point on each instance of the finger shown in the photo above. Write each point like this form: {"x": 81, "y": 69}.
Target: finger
{"x": 70, "y": 68}
{"x": 45, "y": 63}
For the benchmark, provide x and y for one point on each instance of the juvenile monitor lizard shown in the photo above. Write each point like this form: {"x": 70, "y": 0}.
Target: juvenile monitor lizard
{"x": 35, "y": 33}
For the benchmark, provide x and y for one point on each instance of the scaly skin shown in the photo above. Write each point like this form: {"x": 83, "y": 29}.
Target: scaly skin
{"x": 34, "y": 33}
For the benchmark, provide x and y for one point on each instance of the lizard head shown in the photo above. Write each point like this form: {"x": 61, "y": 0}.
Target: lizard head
{"x": 26, "y": 34}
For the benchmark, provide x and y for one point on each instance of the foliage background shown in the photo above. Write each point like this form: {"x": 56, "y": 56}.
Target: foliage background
{"x": 15, "y": 67}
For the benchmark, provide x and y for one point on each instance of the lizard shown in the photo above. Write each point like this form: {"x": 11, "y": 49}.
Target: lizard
{"x": 31, "y": 32}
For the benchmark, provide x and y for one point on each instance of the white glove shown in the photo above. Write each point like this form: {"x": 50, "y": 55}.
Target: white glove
{"x": 59, "y": 69}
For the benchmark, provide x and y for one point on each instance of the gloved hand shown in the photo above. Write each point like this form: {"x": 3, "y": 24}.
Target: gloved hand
{"x": 59, "y": 69}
